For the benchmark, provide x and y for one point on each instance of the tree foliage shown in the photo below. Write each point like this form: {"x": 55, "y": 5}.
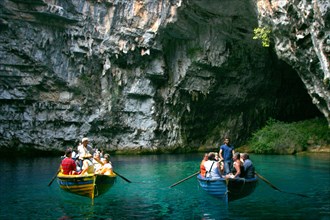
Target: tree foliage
{"x": 262, "y": 33}
{"x": 288, "y": 138}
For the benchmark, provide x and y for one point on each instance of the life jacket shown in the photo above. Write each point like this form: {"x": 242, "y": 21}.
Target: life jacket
{"x": 202, "y": 168}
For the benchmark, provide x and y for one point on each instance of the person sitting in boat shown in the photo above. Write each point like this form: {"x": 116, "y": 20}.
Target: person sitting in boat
{"x": 100, "y": 151}
{"x": 106, "y": 169}
{"x": 249, "y": 170}
{"x": 83, "y": 149}
{"x": 97, "y": 160}
{"x": 88, "y": 166}
{"x": 68, "y": 165}
{"x": 74, "y": 155}
{"x": 202, "y": 167}
{"x": 217, "y": 158}
{"x": 238, "y": 169}
{"x": 213, "y": 169}
{"x": 105, "y": 156}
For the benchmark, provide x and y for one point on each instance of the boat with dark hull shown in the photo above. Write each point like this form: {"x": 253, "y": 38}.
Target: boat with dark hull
{"x": 228, "y": 189}
{"x": 90, "y": 185}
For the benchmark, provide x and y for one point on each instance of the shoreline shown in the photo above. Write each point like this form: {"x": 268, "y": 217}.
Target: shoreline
{"x": 50, "y": 153}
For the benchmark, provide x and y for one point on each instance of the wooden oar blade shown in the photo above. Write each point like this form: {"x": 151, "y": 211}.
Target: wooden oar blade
{"x": 274, "y": 187}
{"x": 297, "y": 194}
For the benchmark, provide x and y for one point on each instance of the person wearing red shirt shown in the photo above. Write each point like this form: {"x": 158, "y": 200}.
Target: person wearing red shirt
{"x": 68, "y": 164}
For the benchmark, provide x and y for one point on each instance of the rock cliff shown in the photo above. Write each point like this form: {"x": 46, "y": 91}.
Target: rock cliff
{"x": 150, "y": 76}
{"x": 301, "y": 34}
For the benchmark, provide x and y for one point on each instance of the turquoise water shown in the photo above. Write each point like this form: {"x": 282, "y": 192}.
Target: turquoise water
{"x": 25, "y": 194}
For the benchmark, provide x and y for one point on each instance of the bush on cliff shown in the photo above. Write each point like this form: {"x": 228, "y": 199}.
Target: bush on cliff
{"x": 289, "y": 138}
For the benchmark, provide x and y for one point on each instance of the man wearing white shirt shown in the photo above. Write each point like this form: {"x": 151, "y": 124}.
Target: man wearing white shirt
{"x": 84, "y": 149}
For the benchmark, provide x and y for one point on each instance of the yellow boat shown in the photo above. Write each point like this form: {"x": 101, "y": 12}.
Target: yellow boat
{"x": 90, "y": 185}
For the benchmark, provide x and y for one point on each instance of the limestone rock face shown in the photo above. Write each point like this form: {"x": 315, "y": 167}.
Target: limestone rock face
{"x": 146, "y": 75}
{"x": 301, "y": 34}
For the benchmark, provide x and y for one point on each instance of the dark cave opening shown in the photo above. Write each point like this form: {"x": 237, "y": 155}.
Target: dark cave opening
{"x": 276, "y": 93}
{"x": 294, "y": 102}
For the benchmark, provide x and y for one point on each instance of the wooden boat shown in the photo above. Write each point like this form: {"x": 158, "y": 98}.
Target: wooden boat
{"x": 230, "y": 189}
{"x": 90, "y": 185}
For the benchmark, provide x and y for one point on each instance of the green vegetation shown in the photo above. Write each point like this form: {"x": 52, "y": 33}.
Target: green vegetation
{"x": 262, "y": 33}
{"x": 289, "y": 138}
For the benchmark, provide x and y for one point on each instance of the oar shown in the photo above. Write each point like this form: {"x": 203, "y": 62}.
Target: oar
{"x": 50, "y": 183}
{"x": 274, "y": 187}
{"x": 192, "y": 175}
{"x": 127, "y": 180}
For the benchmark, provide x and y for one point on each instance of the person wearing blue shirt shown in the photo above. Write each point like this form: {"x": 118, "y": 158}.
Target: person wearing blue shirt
{"x": 226, "y": 153}
{"x": 249, "y": 170}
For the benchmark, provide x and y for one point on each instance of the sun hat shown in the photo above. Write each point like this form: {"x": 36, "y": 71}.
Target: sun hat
{"x": 84, "y": 139}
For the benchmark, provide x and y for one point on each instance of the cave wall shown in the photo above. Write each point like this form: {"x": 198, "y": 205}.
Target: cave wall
{"x": 301, "y": 36}
{"x": 138, "y": 75}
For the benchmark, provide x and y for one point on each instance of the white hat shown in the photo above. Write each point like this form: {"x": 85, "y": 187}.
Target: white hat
{"x": 84, "y": 139}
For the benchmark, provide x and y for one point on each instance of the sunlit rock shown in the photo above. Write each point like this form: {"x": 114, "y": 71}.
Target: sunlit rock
{"x": 155, "y": 75}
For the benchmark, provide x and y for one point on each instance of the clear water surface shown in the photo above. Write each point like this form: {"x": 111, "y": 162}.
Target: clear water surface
{"x": 25, "y": 195}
